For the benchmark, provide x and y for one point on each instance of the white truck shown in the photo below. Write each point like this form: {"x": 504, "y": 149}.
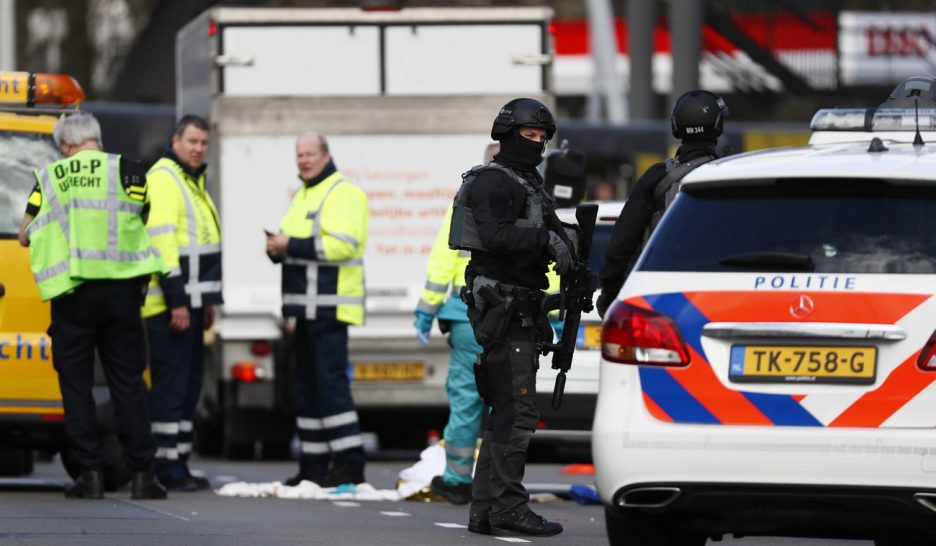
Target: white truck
{"x": 406, "y": 99}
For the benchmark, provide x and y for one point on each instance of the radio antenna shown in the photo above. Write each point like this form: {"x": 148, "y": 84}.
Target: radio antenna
{"x": 918, "y": 138}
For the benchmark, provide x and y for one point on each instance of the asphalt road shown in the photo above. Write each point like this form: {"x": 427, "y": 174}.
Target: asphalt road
{"x": 34, "y": 511}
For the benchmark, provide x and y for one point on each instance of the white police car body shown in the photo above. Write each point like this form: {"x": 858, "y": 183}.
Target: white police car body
{"x": 769, "y": 367}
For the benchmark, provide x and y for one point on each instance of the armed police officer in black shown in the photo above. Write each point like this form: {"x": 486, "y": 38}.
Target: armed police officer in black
{"x": 697, "y": 120}
{"x": 505, "y": 217}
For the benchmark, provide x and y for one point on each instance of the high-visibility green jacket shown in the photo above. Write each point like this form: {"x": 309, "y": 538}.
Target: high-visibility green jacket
{"x": 446, "y": 268}
{"x": 183, "y": 223}
{"x": 323, "y": 270}
{"x": 88, "y": 225}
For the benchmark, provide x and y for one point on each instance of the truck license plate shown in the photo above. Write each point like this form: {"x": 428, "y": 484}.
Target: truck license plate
{"x": 589, "y": 336}
{"x": 389, "y": 371}
{"x": 796, "y": 364}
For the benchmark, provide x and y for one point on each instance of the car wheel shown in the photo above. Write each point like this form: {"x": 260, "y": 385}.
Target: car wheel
{"x": 238, "y": 451}
{"x": 208, "y": 435}
{"x": 15, "y": 461}
{"x": 275, "y": 451}
{"x": 636, "y": 528}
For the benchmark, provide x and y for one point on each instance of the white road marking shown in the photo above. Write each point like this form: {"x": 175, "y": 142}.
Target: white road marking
{"x": 451, "y": 525}
{"x": 346, "y": 504}
{"x": 226, "y": 479}
{"x": 151, "y": 509}
{"x": 396, "y": 514}
{"x": 512, "y": 539}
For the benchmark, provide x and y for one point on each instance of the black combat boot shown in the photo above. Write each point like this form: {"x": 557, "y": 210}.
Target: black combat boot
{"x": 455, "y": 494}
{"x": 89, "y": 485}
{"x": 145, "y": 485}
{"x": 527, "y": 524}
{"x": 341, "y": 472}
{"x": 479, "y": 526}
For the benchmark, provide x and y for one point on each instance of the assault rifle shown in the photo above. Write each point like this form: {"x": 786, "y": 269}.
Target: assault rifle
{"x": 575, "y": 297}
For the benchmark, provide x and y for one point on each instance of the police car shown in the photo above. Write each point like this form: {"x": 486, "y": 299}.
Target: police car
{"x": 769, "y": 368}
{"x": 570, "y": 425}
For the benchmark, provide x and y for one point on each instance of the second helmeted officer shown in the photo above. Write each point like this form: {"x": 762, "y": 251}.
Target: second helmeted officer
{"x": 697, "y": 119}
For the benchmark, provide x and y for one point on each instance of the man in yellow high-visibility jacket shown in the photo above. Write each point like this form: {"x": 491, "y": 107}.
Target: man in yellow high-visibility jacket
{"x": 321, "y": 245}
{"x": 183, "y": 223}
{"x": 91, "y": 256}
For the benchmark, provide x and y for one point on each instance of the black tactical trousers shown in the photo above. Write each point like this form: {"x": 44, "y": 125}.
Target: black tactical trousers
{"x": 509, "y": 370}
{"x": 103, "y": 315}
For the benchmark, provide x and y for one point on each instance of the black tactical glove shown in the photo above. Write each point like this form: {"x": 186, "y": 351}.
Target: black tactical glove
{"x": 560, "y": 254}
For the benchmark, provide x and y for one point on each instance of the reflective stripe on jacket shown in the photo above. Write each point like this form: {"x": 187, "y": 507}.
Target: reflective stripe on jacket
{"x": 88, "y": 226}
{"x": 323, "y": 271}
{"x": 183, "y": 223}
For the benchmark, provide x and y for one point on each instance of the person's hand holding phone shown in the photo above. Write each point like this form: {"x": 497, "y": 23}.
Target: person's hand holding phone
{"x": 276, "y": 243}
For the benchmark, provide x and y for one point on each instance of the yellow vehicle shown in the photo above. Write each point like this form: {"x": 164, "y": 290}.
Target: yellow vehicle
{"x": 31, "y": 415}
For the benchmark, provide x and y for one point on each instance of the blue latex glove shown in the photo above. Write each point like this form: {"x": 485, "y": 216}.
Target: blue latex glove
{"x": 558, "y": 326}
{"x": 423, "y": 326}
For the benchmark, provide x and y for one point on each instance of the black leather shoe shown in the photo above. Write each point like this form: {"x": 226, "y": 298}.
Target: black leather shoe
{"x": 527, "y": 524}
{"x": 89, "y": 485}
{"x": 185, "y": 483}
{"x": 479, "y": 526}
{"x": 341, "y": 472}
{"x": 455, "y": 494}
{"x": 145, "y": 485}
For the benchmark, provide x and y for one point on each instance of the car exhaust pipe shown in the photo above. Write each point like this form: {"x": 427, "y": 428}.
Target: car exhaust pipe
{"x": 651, "y": 497}
{"x": 928, "y": 500}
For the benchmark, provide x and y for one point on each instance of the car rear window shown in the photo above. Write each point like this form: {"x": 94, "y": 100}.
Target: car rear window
{"x": 599, "y": 247}
{"x": 841, "y": 226}
{"x": 20, "y": 154}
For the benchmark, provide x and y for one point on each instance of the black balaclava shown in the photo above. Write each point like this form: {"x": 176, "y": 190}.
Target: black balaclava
{"x": 521, "y": 151}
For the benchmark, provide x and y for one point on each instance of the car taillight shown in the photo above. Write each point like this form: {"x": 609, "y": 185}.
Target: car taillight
{"x": 632, "y": 335}
{"x": 927, "y": 359}
{"x": 246, "y": 371}
{"x": 261, "y": 348}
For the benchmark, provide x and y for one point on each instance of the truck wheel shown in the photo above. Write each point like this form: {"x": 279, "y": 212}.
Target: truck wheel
{"x": 275, "y": 451}
{"x": 208, "y": 433}
{"x": 238, "y": 451}
{"x": 116, "y": 471}
{"x": 16, "y": 462}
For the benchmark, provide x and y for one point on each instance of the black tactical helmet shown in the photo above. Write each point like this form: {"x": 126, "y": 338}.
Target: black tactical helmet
{"x": 907, "y": 92}
{"x": 698, "y": 115}
{"x": 523, "y": 113}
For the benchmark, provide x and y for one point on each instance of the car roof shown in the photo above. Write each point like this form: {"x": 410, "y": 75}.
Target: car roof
{"x": 900, "y": 161}
{"x": 608, "y": 211}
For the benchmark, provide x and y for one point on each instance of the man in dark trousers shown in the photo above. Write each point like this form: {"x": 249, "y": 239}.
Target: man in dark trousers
{"x": 179, "y": 307}
{"x": 91, "y": 256}
{"x": 697, "y": 120}
{"x": 504, "y": 216}
{"x": 321, "y": 245}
